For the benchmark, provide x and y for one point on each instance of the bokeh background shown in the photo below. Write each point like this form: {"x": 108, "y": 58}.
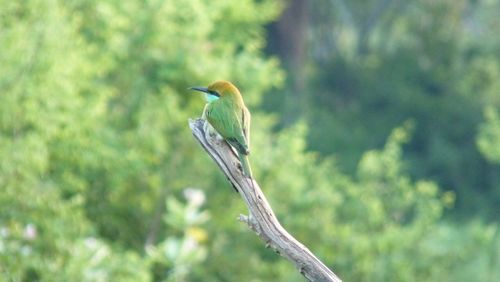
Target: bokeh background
{"x": 376, "y": 136}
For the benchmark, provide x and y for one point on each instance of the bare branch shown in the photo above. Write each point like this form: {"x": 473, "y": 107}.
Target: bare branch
{"x": 261, "y": 218}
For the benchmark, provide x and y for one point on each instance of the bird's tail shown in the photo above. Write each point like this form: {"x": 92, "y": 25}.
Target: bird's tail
{"x": 245, "y": 165}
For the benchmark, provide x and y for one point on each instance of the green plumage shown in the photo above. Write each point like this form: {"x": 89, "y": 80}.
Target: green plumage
{"x": 228, "y": 115}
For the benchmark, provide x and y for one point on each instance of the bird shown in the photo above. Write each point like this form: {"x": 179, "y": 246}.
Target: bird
{"x": 226, "y": 112}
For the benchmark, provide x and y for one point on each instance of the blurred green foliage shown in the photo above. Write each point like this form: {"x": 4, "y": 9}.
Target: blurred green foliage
{"x": 373, "y": 64}
{"x": 101, "y": 180}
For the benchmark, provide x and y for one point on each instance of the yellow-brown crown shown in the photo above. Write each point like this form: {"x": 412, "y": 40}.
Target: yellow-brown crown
{"x": 223, "y": 88}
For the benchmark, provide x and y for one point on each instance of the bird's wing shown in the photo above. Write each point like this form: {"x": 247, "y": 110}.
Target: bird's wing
{"x": 245, "y": 118}
{"x": 228, "y": 124}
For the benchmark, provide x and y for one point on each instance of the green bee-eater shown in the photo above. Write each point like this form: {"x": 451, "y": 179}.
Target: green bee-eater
{"x": 227, "y": 114}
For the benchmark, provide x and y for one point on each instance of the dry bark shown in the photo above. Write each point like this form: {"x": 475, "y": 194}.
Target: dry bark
{"x": 261, "y": 218}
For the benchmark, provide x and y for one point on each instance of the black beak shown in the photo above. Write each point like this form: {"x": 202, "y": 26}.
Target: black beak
{"x": 201, "y": 89}
{"x": 205, "y": 90}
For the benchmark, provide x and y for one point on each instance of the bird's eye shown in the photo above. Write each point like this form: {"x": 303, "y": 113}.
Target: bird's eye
{"x": 213, "y": 92}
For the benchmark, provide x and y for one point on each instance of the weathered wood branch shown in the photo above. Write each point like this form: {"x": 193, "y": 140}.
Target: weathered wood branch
{"x": 261, "y": 218}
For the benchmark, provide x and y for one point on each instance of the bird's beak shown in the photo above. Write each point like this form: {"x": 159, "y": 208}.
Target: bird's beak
{"x": 201, "y": 89}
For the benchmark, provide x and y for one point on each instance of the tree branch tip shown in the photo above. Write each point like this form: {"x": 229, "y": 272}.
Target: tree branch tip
{"x": 192, "y": 123}
{"x": 196, "y": 123}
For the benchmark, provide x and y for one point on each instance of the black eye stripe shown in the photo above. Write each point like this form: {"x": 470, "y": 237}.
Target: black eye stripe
{"x": 213, "y": 92}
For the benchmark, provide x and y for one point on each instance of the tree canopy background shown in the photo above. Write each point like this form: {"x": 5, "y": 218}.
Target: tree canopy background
{"x": 375, "y": 135}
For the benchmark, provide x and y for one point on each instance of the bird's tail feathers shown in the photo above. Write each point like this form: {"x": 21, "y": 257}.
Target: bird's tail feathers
{"x": 245, "y": 165}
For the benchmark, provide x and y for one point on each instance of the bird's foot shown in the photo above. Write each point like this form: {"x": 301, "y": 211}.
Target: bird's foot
{"x": 211, "y": 132}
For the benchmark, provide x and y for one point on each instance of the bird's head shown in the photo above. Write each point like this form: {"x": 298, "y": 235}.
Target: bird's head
{"x": 219, "y": 89}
